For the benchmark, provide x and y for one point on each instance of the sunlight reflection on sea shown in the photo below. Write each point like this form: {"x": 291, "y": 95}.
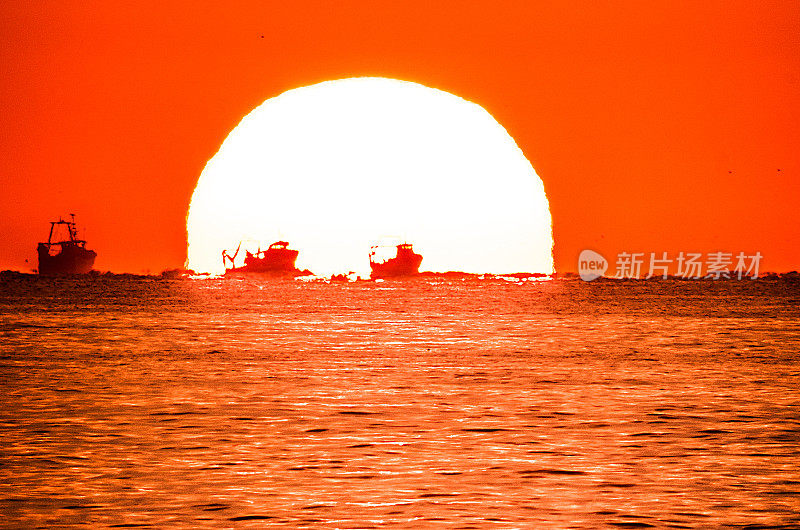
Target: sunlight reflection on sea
{"x": 137, "y": 401}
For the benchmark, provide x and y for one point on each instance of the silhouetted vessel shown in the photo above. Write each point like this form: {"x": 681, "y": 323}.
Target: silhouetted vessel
{"x": 68, "y": 256}
{"x": 405, "y": 263}
{"x": 277, "y": 260}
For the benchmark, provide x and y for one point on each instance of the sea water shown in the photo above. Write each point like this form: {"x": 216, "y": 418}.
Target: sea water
{"x": 130, "y": 401}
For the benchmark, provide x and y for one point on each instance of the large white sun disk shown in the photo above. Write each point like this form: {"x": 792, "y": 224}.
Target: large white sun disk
{"x": 335, "y": 167}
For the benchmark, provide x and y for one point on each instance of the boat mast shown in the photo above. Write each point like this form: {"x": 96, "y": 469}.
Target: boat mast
{"x": 230, "y": 258}
{"x": 73, "y": 235}
{"x": 52, "y": 227}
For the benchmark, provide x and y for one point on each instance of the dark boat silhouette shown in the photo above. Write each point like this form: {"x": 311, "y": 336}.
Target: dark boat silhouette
{"x": 68, "y": 256}
{"x": 277, "y": 260}
{"x": 405, "y": 263}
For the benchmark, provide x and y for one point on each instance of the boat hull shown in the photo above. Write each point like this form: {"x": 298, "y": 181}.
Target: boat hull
{"x": 72, "y": 259}
{"x": 275, "y": 262}
{"x": 405, "y": 264}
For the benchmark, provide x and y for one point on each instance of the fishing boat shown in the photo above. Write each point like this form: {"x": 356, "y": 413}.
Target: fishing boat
{"x": 68, "y": 255}
{"x": 277, "y": 260}
{"x": 405, "y": 263}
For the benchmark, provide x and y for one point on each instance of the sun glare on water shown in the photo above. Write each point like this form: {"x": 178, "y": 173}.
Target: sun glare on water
{"x": 336, "y": 167}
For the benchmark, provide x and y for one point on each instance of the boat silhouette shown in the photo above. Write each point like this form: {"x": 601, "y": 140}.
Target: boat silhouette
{"x": 68, "y": 256}
{"x": 405, "y": 263}
{"x": 277, "y": 260}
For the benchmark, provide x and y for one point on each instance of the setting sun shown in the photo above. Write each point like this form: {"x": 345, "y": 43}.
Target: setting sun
{"x": 336, "y": 167}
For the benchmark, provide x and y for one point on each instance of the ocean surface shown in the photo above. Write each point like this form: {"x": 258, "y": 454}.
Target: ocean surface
{"x": 141, "y": 402}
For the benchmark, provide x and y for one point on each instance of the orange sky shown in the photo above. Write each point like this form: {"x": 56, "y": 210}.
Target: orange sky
{"x": 667, "y": 128}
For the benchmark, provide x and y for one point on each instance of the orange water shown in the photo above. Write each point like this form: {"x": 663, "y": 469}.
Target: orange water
{"x": 129, "y": 401}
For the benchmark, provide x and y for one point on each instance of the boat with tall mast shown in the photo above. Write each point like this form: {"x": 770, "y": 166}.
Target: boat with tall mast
{"x": 68, "y": 255}
{"x": 277, "y": 260}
